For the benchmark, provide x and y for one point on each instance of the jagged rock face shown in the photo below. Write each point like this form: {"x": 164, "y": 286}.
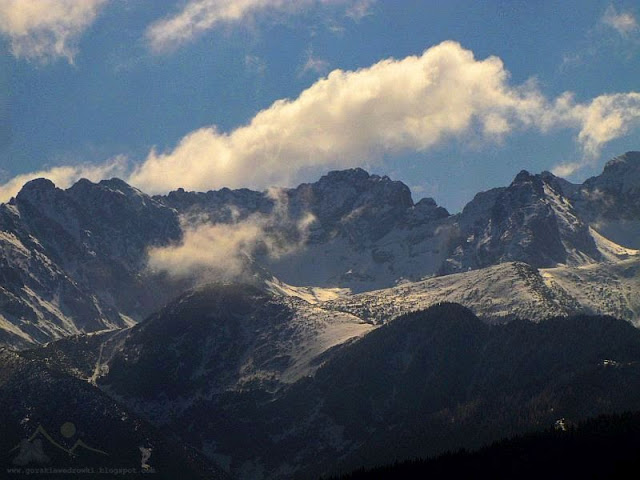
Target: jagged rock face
{"x": 611, "y": 201}
{"x": 621, "y": 175}
{"x": 38, "y": 299}
{"x": 529, "y": 221}
{"x": 217, "y": 206}
{"x": 74, "y": 261}
{"x": 425, "y": 211}
{"x": 106, "y": 220}
{"x": 353, "y": 204}
{"x": 366, "y": 231}
{"x": 348, "y": 203}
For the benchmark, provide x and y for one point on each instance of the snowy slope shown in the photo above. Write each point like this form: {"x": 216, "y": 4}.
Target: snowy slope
{"x": 532, "y": 220}
{"x": 244, "y": 336}
{"x": 38, "y": 300}
{"x": 367, "y": 232}
{"x": 75, "y": 260}
{"x": 497, "y": 294}
{"x": 442, "y": 366}
{"x": 610, "y": 202}
{"x": 512, "y": 290}
{"x": 607, "y": 288}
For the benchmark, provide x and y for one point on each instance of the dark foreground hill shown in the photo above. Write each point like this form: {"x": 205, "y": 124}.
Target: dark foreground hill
{"x": 56, "y": 426}
{"x": 426, "y": 383}
{"x": 606, "y": 447}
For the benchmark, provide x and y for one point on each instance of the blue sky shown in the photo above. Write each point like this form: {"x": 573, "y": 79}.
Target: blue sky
{"x": 449, "y": 97}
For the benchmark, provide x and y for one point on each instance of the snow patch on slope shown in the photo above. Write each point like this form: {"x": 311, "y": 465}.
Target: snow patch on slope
{"x": 607, "y": 288}
{"x": 312, "y": 295}
{"x": 610, "y": 250}
{"x": 12, "y": 329}
{"x": 324, "y": 329}
{"x": 498, "y": 293}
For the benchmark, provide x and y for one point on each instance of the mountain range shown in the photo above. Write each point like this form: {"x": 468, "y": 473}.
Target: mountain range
{"x": 77, "y": 260}
{"x": 299, "y": 332}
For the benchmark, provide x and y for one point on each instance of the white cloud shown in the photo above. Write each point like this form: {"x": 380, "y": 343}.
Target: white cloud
{"x": 623, "y": 22}
{"x": 225, "y": 250}
{"x": 566, "y": 169}
{"x": 46, "y": 29}
{"x": 354, "y": 118}
{"x": 344, "y": 120}
{"x": 360, "y": 9}
{"x": 314, "y": 65}
{"x": 351, "y": 118}
{"x": 607, "y": 117}
{"x": 199, "y": 16}
{"x": 208, "y": 250}
{"x": 65, "y": 176}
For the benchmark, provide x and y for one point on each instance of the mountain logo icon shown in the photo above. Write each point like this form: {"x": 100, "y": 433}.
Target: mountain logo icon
{"x": 31, "y": 450}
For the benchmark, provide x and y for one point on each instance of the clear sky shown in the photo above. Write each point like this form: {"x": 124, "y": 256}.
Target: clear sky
{"x": 450, "y": 97}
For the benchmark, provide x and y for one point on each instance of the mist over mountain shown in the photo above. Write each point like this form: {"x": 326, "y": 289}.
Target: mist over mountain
{"x": 216, "y": 261}
{"x": 105, "y": 255}
{"x": 74, "y": 260}
{"x": 317, "y": 329}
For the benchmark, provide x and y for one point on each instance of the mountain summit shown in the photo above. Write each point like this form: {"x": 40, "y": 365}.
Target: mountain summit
{"x": 75, "y": 260}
